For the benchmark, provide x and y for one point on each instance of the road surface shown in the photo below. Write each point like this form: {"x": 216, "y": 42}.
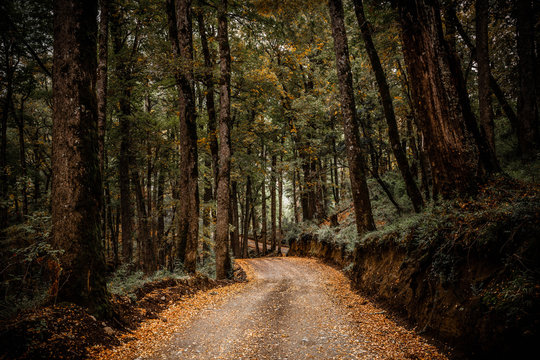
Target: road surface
{"x": 292, "y": 308}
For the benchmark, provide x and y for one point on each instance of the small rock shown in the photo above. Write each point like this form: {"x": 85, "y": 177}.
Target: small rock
{"x": 163, "y": 298}
{"x": 108, "y": 330}
{"x": 305, "y": 340}
{"x": 213, "y": 293}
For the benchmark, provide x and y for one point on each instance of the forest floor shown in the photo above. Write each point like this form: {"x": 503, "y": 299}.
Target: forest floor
{"x": 292, "y": 308}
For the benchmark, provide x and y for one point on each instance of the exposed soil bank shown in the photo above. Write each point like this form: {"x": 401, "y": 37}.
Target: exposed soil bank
{"x": 470, "y": 277}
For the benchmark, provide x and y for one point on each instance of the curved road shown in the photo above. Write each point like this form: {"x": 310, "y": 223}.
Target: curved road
{"x": 289, "y": 310}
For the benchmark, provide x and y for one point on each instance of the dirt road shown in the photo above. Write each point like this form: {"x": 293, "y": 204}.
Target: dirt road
{"x": 292, "y": 308}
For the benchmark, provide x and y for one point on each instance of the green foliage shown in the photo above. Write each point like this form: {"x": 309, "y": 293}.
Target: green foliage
{"x": 26, "y": 262}
{"x": 125, "y": 281}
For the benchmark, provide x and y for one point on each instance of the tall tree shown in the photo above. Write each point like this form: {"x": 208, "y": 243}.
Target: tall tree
{"x": 103, "y": 56}
{"x": 388, "y": 108}
{"x": 528, "y": 133}
{"x": 208, "y": 80}
{"x": 273, "y": 203}
{"x": 76, "y": 184}
{"x": 188, "y": 213}
{"x": 223, "y": 262}
{"x": 484, "y": 72}
{"x": 122, "y": 70}
{"x": 357, "y": 164}
{"x": 458, "y": 155}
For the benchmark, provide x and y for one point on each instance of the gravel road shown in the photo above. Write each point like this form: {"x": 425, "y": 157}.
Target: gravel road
{"x": 293, "y": 308}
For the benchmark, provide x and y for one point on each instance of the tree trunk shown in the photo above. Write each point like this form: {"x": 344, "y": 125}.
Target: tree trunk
{"x": 280, "y": 209}
{"x": 295, "y": 196}
{"x": 497, "y": 91}
{"x": 247, "y": 216}
{"x": 458, "y": 164}
{"x": 388, "y": 108}
{"x": 527, "y": 130}
{"x": 357, "y": 165}
{"x": 209, "y": 96}
{"x": 124, "y": 156}
{"x": 3, "y": 156}
{"x": 254, "y": 224}
{"x": 101, "y": 86}
{"x": 233, "y": 219}
{"x": 273, "y": 204}
{"x": 144, "y": 238}
{"x": 180, "y": 29}
{"x": 223, "y": 263}
{"x": 160, "y": 216}
{"x": 76, "y": 189}
{"x": 484, "y": 73}
{"x": 263, "y": 203}
{"x": 22, "y": 155}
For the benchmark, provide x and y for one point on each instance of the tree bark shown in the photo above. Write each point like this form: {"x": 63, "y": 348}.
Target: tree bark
{"x": 208, "y": 81}
{"x": 388, "y": 108}
{"x": 76, "y": 185}
{"x": 188, "y": 212}
{"x": 357, "y": 165}
{"x": 223, "y": 264}
{"x": 459, "y": 161}
{"x": 527, "y": 129}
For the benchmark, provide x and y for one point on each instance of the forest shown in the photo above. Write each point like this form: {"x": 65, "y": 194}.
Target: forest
{"x": 154, "y": 151}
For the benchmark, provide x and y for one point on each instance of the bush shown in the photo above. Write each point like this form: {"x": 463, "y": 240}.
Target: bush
{"x": 26, "y": 260}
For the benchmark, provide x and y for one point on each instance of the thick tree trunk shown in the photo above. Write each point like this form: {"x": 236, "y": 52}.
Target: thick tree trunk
{"x": 76, "y": 189}
{"x": 441, "y": 103}
{"x": 484, "y": 72}
{"x": 527, "y": 129}
{"x": 180, "y": 29}
{"x": 223, "y": 263}
{"x": 388, "y": 108}
{"x": 357, "y": 165}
